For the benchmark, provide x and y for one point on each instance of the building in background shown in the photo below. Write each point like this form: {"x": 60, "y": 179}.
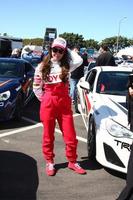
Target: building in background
{"x": 7, "y": 44}
{"x": 50, "y": 35}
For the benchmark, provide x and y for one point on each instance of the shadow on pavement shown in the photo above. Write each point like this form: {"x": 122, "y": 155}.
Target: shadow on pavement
{"x": 90, "y": 164}
{"x": 61, "y": 166}
{"x": 18, "y": 176}
{"x": 31, "y": 111}
{"x": 86, "y": 164}
{"x": 11, "y": 124}
{"x": 116, "y": 173}
{"x": 94, "y": 165}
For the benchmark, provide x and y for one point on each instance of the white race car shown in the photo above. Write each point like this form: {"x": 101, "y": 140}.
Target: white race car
{"x": 102, "y": 104}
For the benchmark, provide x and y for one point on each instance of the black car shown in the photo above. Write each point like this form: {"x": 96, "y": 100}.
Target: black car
{"x": 16, "y": 79}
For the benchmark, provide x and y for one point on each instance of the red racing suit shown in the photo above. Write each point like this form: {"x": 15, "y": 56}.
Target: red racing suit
{"x": 56, "y": 105}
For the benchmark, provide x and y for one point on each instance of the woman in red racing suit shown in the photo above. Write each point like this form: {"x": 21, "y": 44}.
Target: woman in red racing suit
{"x": 52, "y": 89}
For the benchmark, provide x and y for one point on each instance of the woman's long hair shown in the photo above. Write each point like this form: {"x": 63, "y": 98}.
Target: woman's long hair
{"x": 64, "y": 64}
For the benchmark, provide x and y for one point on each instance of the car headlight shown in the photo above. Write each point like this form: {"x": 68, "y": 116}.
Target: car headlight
{"x": 117, "y": 130}
{"x": 4, "y": 96}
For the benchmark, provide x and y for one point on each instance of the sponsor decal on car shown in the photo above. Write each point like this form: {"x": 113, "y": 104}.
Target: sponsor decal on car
{"x": 87, "y": 101}
{"x": 3, "y": 83}
{"x": 123, "y": 145}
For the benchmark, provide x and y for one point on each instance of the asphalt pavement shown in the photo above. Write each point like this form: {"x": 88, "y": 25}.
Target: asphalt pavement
{"x": 22, "y": 168}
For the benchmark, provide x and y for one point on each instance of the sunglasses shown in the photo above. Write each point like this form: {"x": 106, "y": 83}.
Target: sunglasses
{"x": 58, "y": 50}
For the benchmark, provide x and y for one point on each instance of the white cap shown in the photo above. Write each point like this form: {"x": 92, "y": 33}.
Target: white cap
{"x": 59, "y": 42}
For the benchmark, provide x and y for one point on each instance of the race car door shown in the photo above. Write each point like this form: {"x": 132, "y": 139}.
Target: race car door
{"x": 88, "y": 95}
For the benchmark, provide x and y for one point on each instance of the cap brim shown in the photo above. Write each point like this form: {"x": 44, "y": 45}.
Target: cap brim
{"x": 57, "y": 45}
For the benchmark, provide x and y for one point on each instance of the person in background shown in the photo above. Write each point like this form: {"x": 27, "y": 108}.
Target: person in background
{"x": 127, "y": 192}
{"x": 105, "y": 58}
{"x": 51, "y": 87}
{"x": 76, "y": 75}
{"x": 32, "y": 54}
{"x": 26, "y": 53}
{"x": 73, "y": 80}
{"x": 16, "y": 53}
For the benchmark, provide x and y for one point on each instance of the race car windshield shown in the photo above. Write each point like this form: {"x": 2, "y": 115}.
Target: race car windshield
{"x": 10, "y": 69}
{"x": 113, "y": 83}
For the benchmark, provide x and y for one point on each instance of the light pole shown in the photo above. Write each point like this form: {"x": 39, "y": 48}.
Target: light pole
{"x": 117, "y": 42}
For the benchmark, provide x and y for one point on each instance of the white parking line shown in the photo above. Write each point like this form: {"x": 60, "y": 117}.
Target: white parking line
{"x": 76, "y": 114}
{"x": 78, "y": 137}
{"x": 20, "y": 130}
{"x": 36, "y": 125}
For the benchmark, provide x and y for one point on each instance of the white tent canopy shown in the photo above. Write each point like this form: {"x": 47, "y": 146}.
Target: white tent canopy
{"x": 128, "y": 51}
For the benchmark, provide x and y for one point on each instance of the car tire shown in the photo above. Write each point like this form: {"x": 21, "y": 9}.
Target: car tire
{"x": 19, "y": 109}
{"x": 91, "y": 140}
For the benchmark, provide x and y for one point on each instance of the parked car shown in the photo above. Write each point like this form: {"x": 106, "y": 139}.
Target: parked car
{"x": 118, "y": 60}
{"x": 16, "y": 78}
{"x": 127, "y": 63}
{"x": 102, "y": 104}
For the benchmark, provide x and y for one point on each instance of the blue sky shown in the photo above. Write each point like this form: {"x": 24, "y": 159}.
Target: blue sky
{"x": 94, "y": 19}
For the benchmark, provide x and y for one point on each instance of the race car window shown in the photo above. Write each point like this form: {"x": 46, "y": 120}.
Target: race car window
{"x": 90, "y": 78}
{"x": 10, "y": 69}
{"x": 113, "y": 83}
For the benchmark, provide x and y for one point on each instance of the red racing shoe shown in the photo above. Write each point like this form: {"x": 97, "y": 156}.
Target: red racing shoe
{"x": 50, "y": 170}
{"x": 76, "y": 167}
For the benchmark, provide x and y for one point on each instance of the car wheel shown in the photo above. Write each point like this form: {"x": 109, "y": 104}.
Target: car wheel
{"x": 91, "y": 142}
{"x": 19, "y": 109}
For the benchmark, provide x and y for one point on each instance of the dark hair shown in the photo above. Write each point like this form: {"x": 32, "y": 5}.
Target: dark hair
{"x": 64, "y": 64}
{"x": 75, "y": 47}
{"x": 104, "y": 47}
